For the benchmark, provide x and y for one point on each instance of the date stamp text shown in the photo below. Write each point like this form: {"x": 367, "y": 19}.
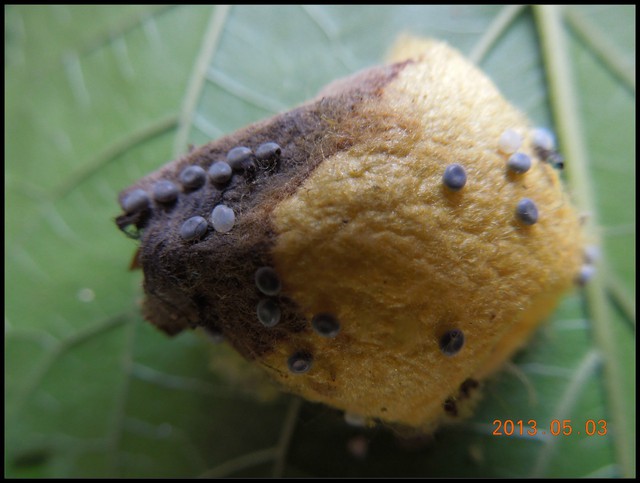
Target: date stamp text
{"x": 557, "y": 427}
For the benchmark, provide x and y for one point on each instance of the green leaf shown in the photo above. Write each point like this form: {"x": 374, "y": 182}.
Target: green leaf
{"x": 96, "y": 97}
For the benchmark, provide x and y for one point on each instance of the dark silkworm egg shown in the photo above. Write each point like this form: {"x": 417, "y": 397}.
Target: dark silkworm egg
{"x": 165, "y": 191}
{"x": 455, "y": 177}
{"x": 193, "y": 177}
{"x": 193, "y": 228}
{"x": 268, "y": 312}
{"x": 325, "y": 324}
{"x": 343, "y": 264}
{"x": 239, "y": 156}
{"x": 585, "y": 274}
{"x": 451, "y": 342}
{"x": 136, "y": 200}
{"x": 267, "y": 281}
{"x": 300, "y": 362}
{"x": 519, "y": 163}
{"x": 220, "y": 172}
{"x": 268, "y": 151}
{"x": 527, "y": 211}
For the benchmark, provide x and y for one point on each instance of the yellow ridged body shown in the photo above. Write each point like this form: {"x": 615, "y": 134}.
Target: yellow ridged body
{"x": 374, "y": 237}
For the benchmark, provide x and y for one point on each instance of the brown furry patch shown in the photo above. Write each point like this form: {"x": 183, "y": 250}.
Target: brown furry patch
{"x": 210, "y": 282}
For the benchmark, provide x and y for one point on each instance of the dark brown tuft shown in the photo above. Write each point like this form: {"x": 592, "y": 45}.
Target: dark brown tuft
{"x": 209, "y": 282}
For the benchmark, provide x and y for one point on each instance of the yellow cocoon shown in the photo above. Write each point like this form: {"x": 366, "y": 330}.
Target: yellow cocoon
{"x": 374, "y": 237}
{"x": 344, "y": 204}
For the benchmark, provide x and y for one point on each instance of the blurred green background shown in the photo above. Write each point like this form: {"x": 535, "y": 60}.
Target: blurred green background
{"x": 96, "y": 97}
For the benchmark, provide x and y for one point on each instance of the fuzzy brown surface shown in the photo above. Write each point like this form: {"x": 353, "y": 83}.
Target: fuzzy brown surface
{"x": 209, "y": 282}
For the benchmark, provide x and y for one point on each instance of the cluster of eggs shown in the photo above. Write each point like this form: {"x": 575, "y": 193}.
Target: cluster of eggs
{"x": 222, "y": 218}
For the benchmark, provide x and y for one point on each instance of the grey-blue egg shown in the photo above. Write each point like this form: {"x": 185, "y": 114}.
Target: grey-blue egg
{"x": 451, "y": 342}
{"x": 325, "y": 324}
{"x": 267, "y": 281}
{"x": 527, "y": 211}
{"x": 164, "y": 191}
{"x": 543, "y": 139}
{"x": 519, "y": 163}
{"x": 136, "y": 200}
{"x": 268, "y": 312}
{"x": 193, "y": 177}
{"x": 300, "y": 362}
{"x": 220, "y": 172}
{"x": 194, "y": 228}
{"x": 268, "y": 151}
{"x": 222, "y": 218}
{"x": 455, "y": 177}
{"x": 238, "y": 157}
{"x": 587, "y": 272}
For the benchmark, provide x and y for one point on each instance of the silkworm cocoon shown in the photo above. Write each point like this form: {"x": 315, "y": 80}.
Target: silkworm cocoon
{"x": 344, "y": 207}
